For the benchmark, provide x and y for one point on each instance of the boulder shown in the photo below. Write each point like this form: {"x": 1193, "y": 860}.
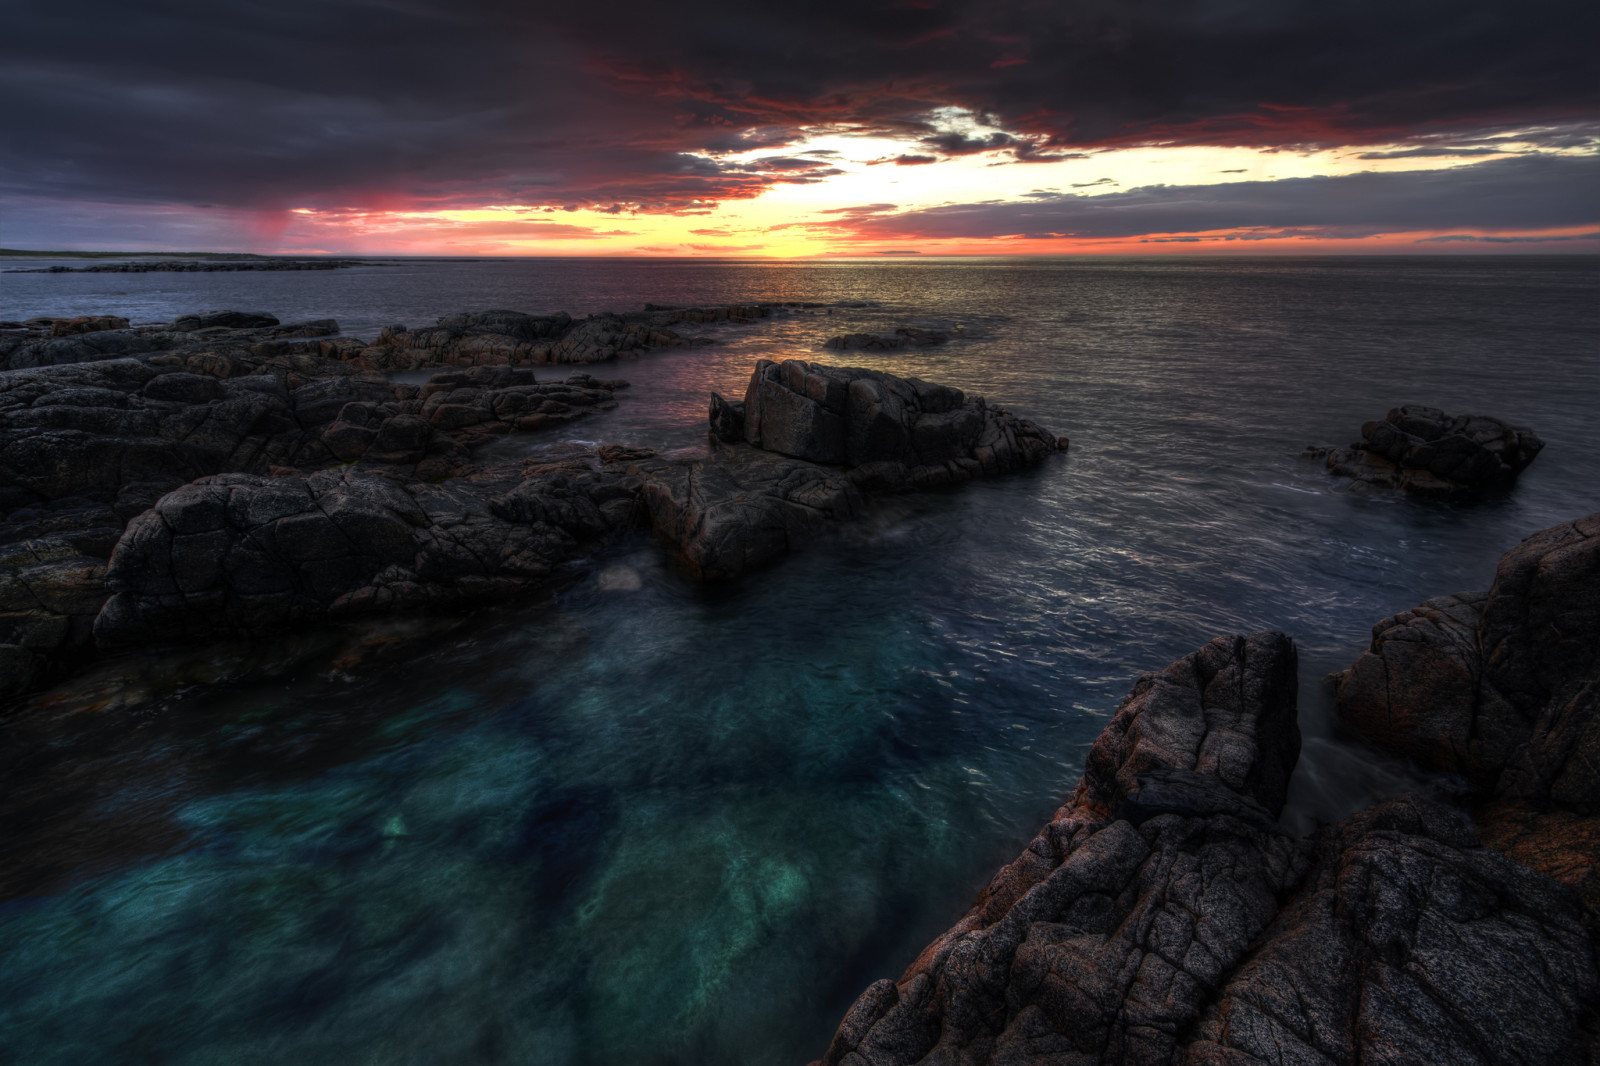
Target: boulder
{"x": 224, "y": 320}
{"x": 66, "y": 327}
{"x": 1425, "y": 451}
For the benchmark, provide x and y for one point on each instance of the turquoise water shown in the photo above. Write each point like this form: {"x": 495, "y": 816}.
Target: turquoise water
{"x": 643, "y": 821}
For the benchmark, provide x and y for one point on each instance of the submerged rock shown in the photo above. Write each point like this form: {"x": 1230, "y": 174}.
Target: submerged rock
{"x": 1163, "y": 916}
{"x": 1425, "y": 451}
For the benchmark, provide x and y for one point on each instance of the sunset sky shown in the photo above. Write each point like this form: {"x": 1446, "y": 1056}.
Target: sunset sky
{"x": 840, "y": 128}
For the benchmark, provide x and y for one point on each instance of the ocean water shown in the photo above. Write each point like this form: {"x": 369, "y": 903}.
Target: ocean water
{"x": 640, "y": 821}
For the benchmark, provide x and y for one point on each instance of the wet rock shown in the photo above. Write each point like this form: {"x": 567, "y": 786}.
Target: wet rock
{"x": 1425, "y": 451}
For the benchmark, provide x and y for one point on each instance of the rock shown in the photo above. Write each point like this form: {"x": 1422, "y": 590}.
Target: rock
{"x": 223, "y": 319}
{"x": 1425, "y": 451}
{"x": 904, "y": 337}
{"x": 602, "y": 338}
{"x": 66, "y": 327}
{"x": 1475, "y": 683}
{"x": 1163, "y": 916}
{"x": 1408, "y": 942}
{"x": 850, "y": 416}
{"x": 727, "y": 419}
{"x": 821, "y": 441}
{"x": 240, "y": 554}
{"x": 1503, "y": 687}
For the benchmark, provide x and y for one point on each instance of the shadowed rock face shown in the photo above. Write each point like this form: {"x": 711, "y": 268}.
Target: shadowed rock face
{"x": 1163, "y": 917}
{"x": 1425, "y": 451}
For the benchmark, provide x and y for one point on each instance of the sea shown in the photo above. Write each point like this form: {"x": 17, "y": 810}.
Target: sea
{"x": 641, "y": 821}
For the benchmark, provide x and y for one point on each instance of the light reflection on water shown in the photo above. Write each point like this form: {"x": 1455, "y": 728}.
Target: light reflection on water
{"x": 652, "y": 822}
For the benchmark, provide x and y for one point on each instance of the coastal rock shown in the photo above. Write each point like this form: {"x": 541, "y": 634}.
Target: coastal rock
{"x": 1163, "y": 916}
{"x": 818, "y": 441}
{"x": 850, "y": 416}
{"x": 904, "y": 337}
{"x": 223, "y": 319}
{"x": 1409, "y": 942}
{"x": 1464, "y": 683}
{"x": 1425, "y": 451}
{"x": 603, "y": 338}
{"x": 1503, "y": 687}
{"x": 66, "y": 327}
{"x": 480, "y": 338}
{"x": 241, "y": 554}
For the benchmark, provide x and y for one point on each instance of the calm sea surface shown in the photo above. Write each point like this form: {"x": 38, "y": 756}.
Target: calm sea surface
{"x": 646, "y": 822}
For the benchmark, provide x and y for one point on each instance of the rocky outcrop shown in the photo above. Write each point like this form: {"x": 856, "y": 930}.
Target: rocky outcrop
{"x": 809, "y": 445}
{"x": 1503, "y": 687}
{"x": 904, "y": 337}
{"x": 1163, "y": 916}
{"x": 211, "y": 337}
{"x": 1478, "y": 683}
{"x": 1425, "y": 451}
{"x": 241, "y": 554}
{"x": 157, "y": 266}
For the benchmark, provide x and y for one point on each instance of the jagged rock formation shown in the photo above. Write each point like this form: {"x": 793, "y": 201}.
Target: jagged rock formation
{"x": 1425, "y": 451}
{"x": 1164, "y": 917}
{"x": 207, "y": 337}
{"x": 904, "y": 337}
{"x": 1503, "y": 687}
{"x": 239, "y": 554}
{"x": 809, "y": 444}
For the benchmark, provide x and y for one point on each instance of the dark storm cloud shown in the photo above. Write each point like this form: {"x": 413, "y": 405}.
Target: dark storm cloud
{"x": 625, "y": 105}
{"x": 1529, "y": 193}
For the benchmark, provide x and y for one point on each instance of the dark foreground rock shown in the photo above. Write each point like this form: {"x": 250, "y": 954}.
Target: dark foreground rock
{"x": 1503, "y": 688}
{"x": 1163, "y": 916}
{"x": 809, "y": 444}
{"x": 1425, "y": 451}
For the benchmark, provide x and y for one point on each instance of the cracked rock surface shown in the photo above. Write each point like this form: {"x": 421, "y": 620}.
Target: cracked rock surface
{"x": 1163, "y": 916}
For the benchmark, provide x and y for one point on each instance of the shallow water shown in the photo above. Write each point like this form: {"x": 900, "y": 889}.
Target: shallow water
{"x": 647, "y": 822}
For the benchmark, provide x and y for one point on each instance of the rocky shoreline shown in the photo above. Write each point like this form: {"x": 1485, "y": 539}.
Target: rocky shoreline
{"x": 227, "y": 475}
{"x": 180, "y": 266}
{"x": 1164, "y": 916}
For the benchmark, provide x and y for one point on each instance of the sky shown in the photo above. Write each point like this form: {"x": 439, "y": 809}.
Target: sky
{"x": 832, "y": 127}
